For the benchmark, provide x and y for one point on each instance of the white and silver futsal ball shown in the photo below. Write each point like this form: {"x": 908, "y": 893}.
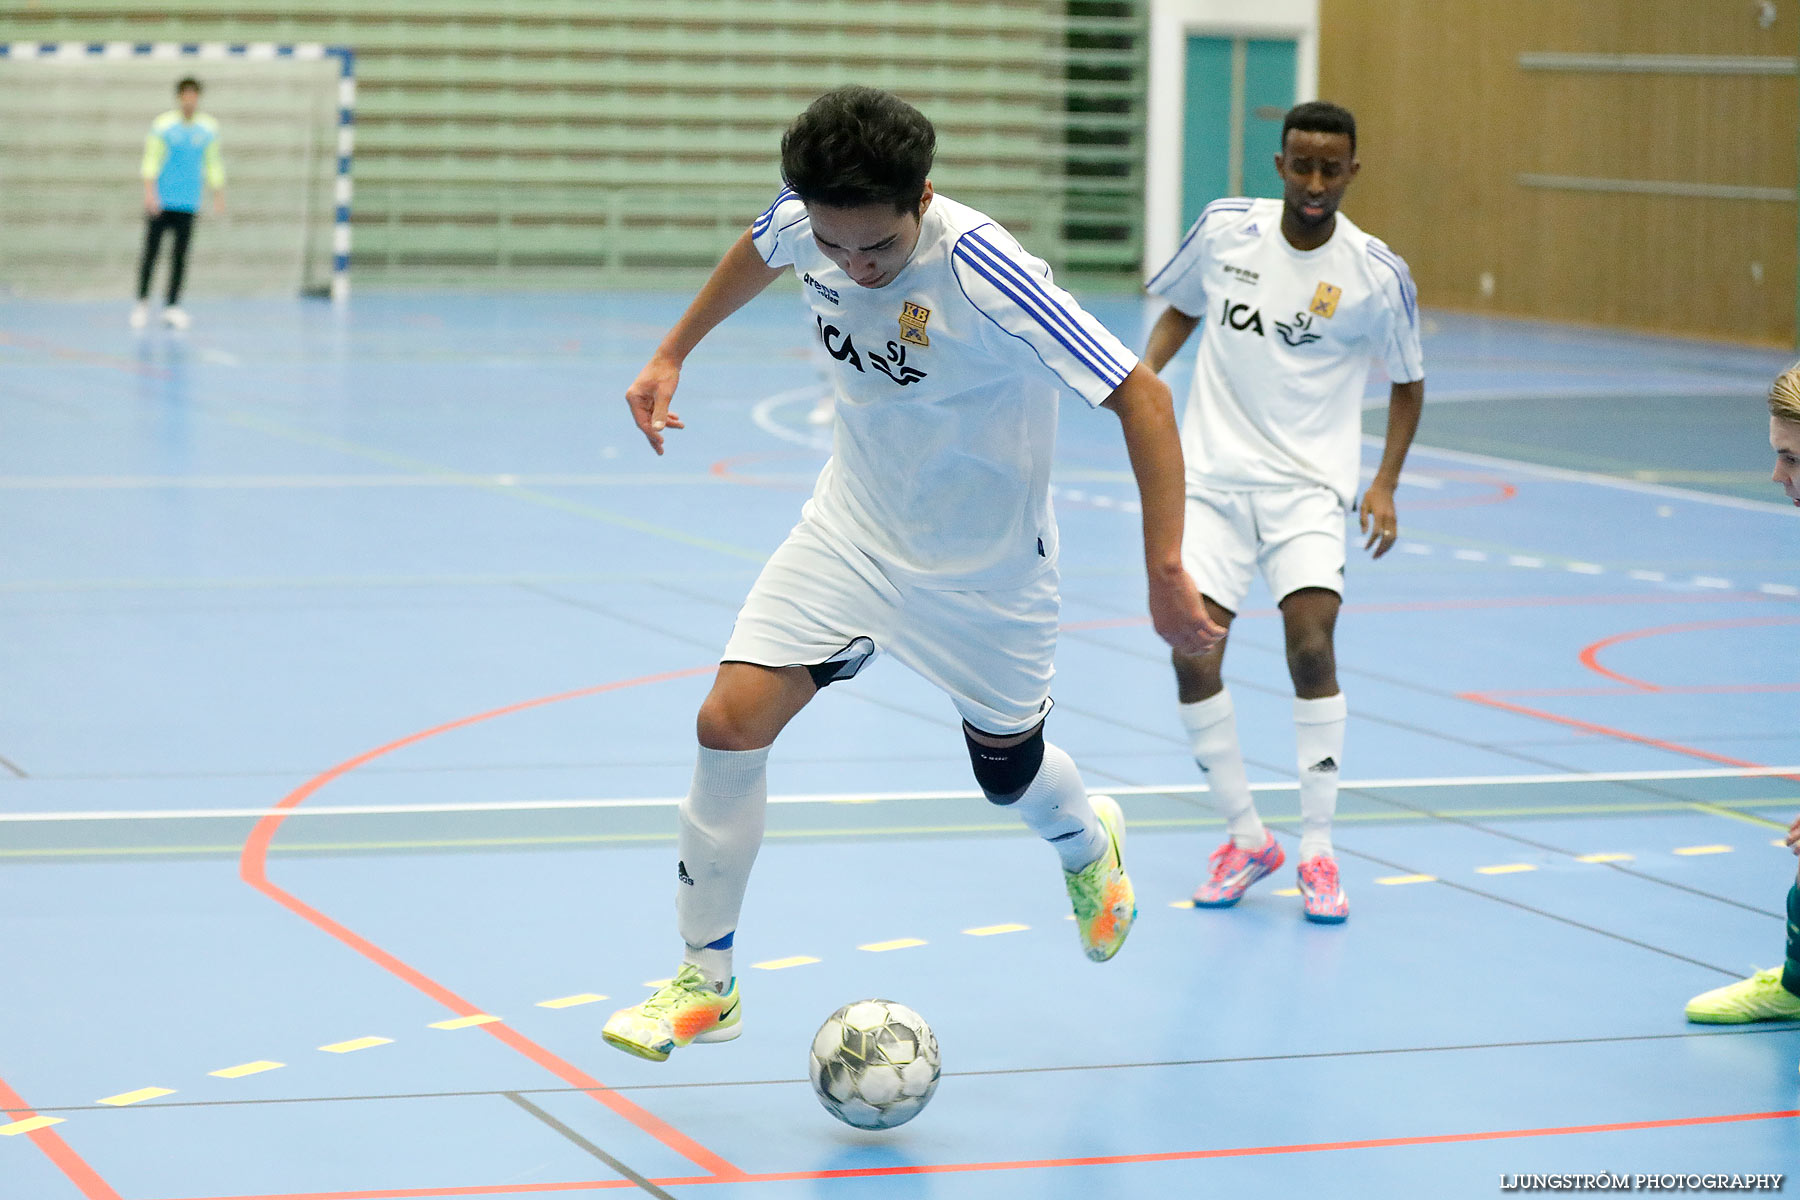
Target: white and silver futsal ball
{"x": 874, "y": 1064}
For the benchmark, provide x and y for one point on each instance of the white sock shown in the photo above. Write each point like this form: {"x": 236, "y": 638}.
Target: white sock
{"x": 721, "y": 831}
{"x": 1212, "y": 735}
{"x": 1319, "y": 740}
{"x": 1055, "y": 807}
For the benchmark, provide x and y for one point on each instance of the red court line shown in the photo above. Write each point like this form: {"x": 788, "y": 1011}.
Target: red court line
{"x": 1590, "y": 654}
{"x": 85, "y": 357}
{"x": 1492, "y": 701}
{"x": 1107, "y": 1160}
{"x": 253, "y": 868}
{"x": 1693, "y": 689}
{"x": 726, "y": 469}
{"x": 1503, "y": 491}
{"x": 55, "y": 1149}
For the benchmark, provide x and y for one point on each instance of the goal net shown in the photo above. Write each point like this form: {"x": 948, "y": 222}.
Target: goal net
{"x": 73, "y": 141}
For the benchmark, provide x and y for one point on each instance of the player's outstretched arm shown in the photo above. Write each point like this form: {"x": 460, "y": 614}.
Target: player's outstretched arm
{"x": 1379, "y": 520}
{"x": 739, "y": 278}
{"x": 1167, "y": 337}
{"x": 1793, "y": 836}
{"x": 1146, "y": 413}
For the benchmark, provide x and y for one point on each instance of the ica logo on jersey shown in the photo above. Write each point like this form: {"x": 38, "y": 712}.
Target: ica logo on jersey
{"x": 1241, "y": 316}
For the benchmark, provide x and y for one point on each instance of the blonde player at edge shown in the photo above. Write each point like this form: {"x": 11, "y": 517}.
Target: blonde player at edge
{"x": 929, "y": 535}
{"x": 1292, "y": 300}
{"x": 1772, "y": 994}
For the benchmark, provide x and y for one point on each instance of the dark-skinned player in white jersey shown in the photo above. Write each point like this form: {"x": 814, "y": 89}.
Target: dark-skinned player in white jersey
{"x": 1292, "y": 300}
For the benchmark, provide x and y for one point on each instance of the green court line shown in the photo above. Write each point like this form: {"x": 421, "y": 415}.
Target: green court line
{"x": 1721, "y": 809}
{"x": 1167, "y": 823}
{"x": 531, "y": 495}
{"x": 274, "y": 582}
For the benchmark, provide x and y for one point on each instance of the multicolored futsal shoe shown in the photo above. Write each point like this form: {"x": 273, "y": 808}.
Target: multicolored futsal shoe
{"x": 685, "y": 1009}
{"x": 1234, "y": 869}
{"x": 1321, "y": 895}
{"x": 1758, "y": 998}
{"x": 1101, "y": 894}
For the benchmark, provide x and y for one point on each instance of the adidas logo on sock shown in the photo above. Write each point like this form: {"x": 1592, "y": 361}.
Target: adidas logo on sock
{"x": 681, "y": 873}
{"x": 1324, "y": 765}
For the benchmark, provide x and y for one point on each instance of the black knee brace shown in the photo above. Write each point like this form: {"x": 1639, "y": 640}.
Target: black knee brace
{"x": 1004, "y": 772}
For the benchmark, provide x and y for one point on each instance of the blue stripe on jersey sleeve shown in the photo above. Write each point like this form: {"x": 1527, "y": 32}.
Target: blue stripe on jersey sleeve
{"x": 1230, "y": 205}
{"x": 1408, "y": 294}
{"x": 762, "y": 222}
{"x": 1014, "y": 282}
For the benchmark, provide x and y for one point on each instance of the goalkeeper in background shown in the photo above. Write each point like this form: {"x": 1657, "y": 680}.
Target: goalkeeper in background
{"x": 181, "y": 160}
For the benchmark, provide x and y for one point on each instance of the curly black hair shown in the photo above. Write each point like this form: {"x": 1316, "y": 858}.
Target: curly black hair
{"x": 856, "y": 146}
{"x": 1319, "y": 116}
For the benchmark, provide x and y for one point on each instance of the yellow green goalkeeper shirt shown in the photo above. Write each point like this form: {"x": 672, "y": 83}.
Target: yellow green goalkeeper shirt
{"x": 180, "y": 154}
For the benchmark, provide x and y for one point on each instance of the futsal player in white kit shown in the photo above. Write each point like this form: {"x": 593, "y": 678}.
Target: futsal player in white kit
{"x": 1292, "y": 301}
{"x": 929, "y": 535}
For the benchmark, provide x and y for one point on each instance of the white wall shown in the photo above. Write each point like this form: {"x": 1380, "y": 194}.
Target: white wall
{"x": 1171, "y": 23}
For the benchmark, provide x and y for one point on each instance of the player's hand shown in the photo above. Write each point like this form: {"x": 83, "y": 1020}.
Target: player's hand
{"x": 1378, "y": 519}
{"x": 1179, "y": 616}
{"x": 152, "y": 208}
{"x": 218, "y": 204}
{"x": 649, "y": 397}
{"x": 1793, "y": 836}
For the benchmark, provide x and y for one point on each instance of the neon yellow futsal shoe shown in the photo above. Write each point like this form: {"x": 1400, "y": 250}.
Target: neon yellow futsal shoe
{"x": 685, "y": 1009}
{"x": 1105, "y": 906}
{"x": 1758, "y": 998}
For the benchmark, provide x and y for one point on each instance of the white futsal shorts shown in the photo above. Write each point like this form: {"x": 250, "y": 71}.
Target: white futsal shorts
{"x": 1294, "y": 536}
{"x": 820, "y": 600}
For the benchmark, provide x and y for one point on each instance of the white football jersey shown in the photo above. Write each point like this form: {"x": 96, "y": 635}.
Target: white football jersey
{"x": 1286, "y": 337}
{"x": 947, "y": 380}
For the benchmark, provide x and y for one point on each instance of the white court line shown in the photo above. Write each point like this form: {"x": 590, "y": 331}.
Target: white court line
{"x": 1181, "y": 789}
{"x": 764, "y": 416}
{"x": 1572, "y": 476}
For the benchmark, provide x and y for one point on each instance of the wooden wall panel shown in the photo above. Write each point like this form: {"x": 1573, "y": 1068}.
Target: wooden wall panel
{"x": 1448, "y": 120}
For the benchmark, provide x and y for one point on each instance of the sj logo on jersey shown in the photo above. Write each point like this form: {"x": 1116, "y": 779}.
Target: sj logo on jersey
{"x": 912, "y": 323}
{"x": 842, "y": 347}
{"x": 1324, "y": 301}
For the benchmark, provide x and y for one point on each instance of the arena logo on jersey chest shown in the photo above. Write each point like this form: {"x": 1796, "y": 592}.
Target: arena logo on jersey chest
{"x": 912, "y": 323}
{"x": 1324, "y": 301}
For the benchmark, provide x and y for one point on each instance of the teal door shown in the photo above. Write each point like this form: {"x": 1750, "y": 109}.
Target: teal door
{"x": 1238, "y": 90}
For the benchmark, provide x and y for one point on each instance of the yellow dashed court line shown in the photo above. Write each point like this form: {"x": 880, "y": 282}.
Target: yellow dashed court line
{"x": 465, "y": 1022}
{"x": 991, "y": 930}
{"x": 137, "y": 1097}
{"x": 571, "y": 1001}
{"x": 781, "y": 964}
{"x": 1782, "y": 842}
{"x": 1693, "y": 850}
{"x": 29, "y": 1125}
{"x": 1285, "y": 892}
{"x": 1604, "y": 858}
{"x": 1504, "y": 869}
{"x": 249, "y": 1068}
{"x": 1172, "y": 904}
{"x": 654, "y": 984}
{"x": 355, "y": 1044}
{"x": 896, "y": 944}
{"x": 1398, "y": 879}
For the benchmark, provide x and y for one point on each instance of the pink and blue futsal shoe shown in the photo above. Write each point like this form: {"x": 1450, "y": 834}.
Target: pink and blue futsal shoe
{"x": 1321, "y": 895}
{"x": 1234, "y": 869}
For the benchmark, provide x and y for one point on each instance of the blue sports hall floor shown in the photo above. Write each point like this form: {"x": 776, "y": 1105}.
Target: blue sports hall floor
{"x": 348, "y": 664}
